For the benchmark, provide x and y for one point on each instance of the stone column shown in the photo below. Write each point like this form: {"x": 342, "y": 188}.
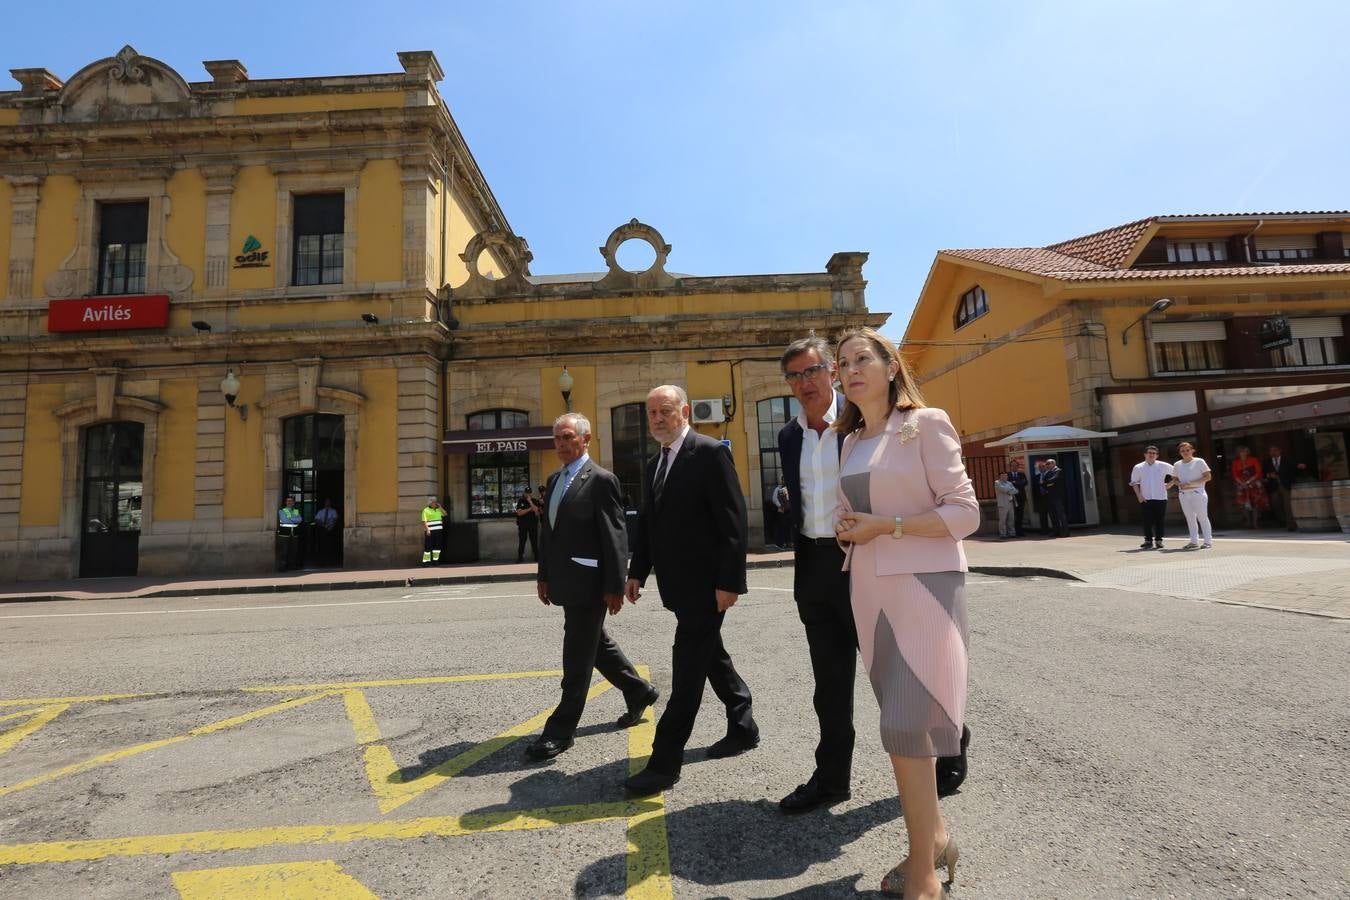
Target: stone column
{"x": 418, "y": 441}
{"x": 13, "y": 408}
{"x": 419, "y": 223}
{"x": 209, "y": 484}
{"x": 23, "y": 235}
{"x": 219, "y": 195}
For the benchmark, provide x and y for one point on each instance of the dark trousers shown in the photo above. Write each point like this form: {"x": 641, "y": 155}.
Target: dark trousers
{"x": 1153, "y": 512}
{"x": 1019, "y": 515}
{"x": 821, "y": 590}
{"x": 696, "y": 657}
{"x": 533, "y": 535}
{"x": 1043, "y": 512}
{"x": 587, "y": 646}
{"x": 1059, "y": 518}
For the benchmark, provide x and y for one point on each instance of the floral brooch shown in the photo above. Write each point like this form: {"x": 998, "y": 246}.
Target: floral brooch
{"x": 908, "y": 432}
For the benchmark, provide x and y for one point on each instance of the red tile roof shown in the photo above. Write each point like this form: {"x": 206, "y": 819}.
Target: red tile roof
{"x": 1100, "y": 256}
{"x": 1107, "y": 248}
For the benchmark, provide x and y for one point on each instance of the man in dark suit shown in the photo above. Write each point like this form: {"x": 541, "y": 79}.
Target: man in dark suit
{"x": 1279, "y": 472}
{"x": 582, "y": 560}
{"x": 693, "y": 533}
{"x": 808, "y": 450}
{"x": 1019, "y": 481}
{"x": 1052, "y": 482}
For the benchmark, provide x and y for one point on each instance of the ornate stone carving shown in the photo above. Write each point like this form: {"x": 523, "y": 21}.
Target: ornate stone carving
{"x": 127, "y": 86}
{"x": 62, "y": 283}
{"x": 515, "y": 256}
{"x": 620, "y": 278}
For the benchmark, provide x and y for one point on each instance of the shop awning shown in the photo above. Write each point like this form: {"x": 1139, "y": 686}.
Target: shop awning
{"x": 499, "y": 441}
{"x": 1043, "y": 434}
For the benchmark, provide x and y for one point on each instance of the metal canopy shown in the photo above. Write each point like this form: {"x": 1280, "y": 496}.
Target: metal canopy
{"x": 1045, "y": 434}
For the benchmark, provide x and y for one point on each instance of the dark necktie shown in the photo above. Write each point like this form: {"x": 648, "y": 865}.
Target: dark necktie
{"x": 661, "y": 475}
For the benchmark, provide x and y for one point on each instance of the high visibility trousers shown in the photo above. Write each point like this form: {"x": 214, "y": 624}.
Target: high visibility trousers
{"x": 431, "y": 546}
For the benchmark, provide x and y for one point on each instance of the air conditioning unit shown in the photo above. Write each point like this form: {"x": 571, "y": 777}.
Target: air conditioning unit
{"x": 708, "y": 411}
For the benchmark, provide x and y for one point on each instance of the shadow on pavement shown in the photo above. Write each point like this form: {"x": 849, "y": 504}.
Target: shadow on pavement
{"x": 722, "y": 843}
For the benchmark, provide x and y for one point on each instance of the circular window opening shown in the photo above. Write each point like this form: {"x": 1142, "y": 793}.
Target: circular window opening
{"x": 635, "y": 255}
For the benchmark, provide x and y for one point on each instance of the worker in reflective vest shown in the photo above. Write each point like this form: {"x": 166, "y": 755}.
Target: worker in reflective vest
{"x": 432, "y": 515}
{"x": 289, "y": 519}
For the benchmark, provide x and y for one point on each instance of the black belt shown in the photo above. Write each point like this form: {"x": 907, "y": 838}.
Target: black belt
{"x": 833, "y": 542}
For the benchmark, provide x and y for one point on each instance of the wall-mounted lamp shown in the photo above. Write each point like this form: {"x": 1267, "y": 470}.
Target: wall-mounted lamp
{"x": 201, "y": 325}
{"x": 1159, "y": 305}
{"x": 565, "y": 382}
{"x": 370, "y": 318}
{"x": 229, "y": 386}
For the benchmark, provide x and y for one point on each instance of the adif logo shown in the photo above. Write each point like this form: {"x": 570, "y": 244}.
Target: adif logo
{"x": 251, "y": 255}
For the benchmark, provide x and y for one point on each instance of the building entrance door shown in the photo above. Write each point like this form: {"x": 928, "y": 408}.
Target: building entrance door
{"x": 110, "y": 519}
{"x": 313, "y": 470}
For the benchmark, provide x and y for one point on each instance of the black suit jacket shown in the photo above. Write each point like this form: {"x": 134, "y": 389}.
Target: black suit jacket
{"x": 1285, "y": 474}
{"x": 696, "y": 538}
{"x": 790, "y": 458}
{"x": 590, "y": 526}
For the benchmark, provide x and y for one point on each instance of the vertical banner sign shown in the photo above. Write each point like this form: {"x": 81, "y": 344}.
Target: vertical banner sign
{"x": 108, "y": 313}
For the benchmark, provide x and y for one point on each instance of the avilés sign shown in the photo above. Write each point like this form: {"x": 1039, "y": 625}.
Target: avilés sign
{"x": 108, "y": 313}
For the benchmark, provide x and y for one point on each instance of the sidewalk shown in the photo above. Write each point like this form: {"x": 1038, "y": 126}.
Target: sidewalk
{"x": 1297, "y": 572}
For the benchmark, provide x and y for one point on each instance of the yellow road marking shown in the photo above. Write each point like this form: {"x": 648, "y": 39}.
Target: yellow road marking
{"x": 96, "y": 698}
{"x": 137, "y": 749}
{"x": 648, "y": 861}
{"x": 40, "y": 717}
{"x": 385, "y": 775}
{"x": 46, "y": 852}
{"x": 323, "y": 880}
{"x": 403, "y": 682}
{"x": 20, "y": 714}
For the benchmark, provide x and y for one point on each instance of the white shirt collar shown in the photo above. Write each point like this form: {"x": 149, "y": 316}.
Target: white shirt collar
{"x": 829, "y": 416}
{"x": 676, "y": 444}
{"x": 569, "y": 471}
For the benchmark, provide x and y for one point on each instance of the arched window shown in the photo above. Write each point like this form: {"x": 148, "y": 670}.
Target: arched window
{"x": 973, "y": 304}
{"x": 633, "y": 446}
{"x": 496, "y": 480}
{"x": 773, "y": 414}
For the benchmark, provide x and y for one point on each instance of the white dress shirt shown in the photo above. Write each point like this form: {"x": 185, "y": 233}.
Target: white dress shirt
{"x": 820, "y": 476}
{"x": 1151, "y": 478}
{"x": 1189, "y": 472}
{"x": 675, "y": 446}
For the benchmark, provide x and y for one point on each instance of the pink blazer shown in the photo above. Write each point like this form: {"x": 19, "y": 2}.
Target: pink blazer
{"x": 916, "y": 469}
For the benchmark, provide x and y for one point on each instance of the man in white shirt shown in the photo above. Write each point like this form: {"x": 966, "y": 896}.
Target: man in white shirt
{"x": 1150, "y": 479}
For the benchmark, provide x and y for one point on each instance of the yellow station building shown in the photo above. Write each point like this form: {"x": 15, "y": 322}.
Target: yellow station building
{"x": 216, "y": 294}
{"x": 1224, "y": 330}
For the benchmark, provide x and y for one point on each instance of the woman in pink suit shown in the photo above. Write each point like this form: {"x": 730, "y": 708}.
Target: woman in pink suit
{"x": 905, "y": 505}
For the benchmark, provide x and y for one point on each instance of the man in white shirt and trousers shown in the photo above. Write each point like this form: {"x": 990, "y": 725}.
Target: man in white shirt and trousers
{"x": 1150, "y": 479}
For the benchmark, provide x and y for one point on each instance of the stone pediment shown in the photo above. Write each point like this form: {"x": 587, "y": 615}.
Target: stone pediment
{"x": 125, "y": 87}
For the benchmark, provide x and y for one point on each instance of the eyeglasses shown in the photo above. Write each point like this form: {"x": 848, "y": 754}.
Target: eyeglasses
{"x": 805, "y": 374}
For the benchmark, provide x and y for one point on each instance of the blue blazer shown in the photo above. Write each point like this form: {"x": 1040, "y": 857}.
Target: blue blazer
{"x": 790, "y": 457}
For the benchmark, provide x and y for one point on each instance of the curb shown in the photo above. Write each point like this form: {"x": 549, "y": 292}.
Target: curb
{"x": 448, "y": 579}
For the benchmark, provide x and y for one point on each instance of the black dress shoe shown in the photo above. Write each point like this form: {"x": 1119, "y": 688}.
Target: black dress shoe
{"x": 733, "y": 745}
{"x": 951, "y": 770}
{"x": 547, "y": 748}
{"x": 810, "y": 795}
{"x": 635, "y": 710}
{"x": 648, "y": 782}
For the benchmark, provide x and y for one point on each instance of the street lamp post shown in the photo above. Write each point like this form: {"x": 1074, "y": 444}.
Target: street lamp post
{"x": 565, "y": 382}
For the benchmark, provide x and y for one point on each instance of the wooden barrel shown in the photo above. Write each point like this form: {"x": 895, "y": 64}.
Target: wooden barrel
{"x": 1340, "y": 502}
{"x": 1311, "y": 501}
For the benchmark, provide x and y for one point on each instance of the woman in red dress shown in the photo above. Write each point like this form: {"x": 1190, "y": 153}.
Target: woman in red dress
{"x": 1251, "y": 492}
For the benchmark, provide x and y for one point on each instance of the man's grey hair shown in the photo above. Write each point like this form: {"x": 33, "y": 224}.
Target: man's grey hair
{"x": 811, "y": 342}
{"x": 674, "y": 389}
{"x": 580, "y": 423}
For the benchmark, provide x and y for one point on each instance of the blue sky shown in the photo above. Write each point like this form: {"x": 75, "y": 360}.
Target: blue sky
{"x": 763, "y": 136}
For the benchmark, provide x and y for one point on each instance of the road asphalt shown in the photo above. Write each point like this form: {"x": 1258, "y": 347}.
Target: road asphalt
{"x": 1127, "y": 743}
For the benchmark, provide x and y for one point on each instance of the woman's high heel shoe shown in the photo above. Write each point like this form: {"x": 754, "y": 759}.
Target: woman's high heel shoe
{"x": 893, "y": 882}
